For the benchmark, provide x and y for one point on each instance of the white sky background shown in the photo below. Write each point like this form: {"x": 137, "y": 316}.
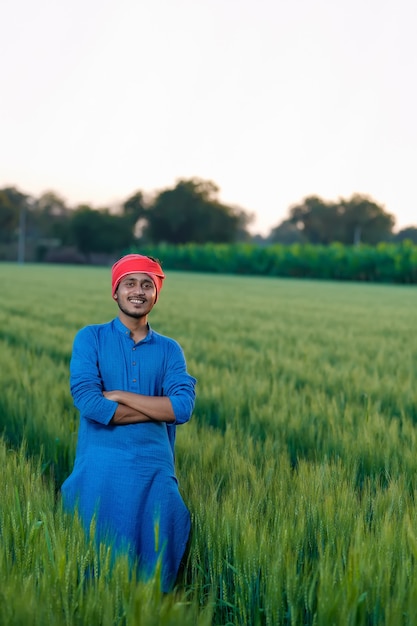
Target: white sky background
{"x": 273, "y": 100}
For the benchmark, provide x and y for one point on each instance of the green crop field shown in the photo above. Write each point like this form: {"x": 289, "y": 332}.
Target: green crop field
{"x": 299, "y": 465}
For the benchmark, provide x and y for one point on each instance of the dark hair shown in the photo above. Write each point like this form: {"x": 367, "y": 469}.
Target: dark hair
{"x": 154, "y": 259}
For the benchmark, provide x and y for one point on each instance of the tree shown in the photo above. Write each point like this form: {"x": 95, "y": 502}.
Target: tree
{"x": 99, "y": 231}
{"x": 286, "y": 233}
{"x": 316, "y": 219}
{"x": 134, "y": 207}
{"x": 134, "y": 210}
{"x": 358, "y": 219}
{"x": 53, "y": 218}
{"x": 14, "y": 206}
{"x": 364, "y": 220}
{"x": 406, "y": 234}
{"x": 9, "y": 217}
{"x": 191, "y": 212}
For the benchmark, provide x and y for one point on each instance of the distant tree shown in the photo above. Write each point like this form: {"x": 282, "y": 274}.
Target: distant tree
{"x": 134, "y": 210}
{"x": 134, "y": 207}
{"x": 286, "y": 233}
{"x": 191, "y": 212}
{"x": 9, "y": 217}
{"x": 53, "y": 218}
{"x": 409, "y": 233}
{"x": 260, "y": 240}
{"x": 348, "y": 221}
{"x": 52, "y": 205}
{"x": 99, "y": 231}
{"x": 316, "y": 219}
{"x": 13, "y": 206}
{"x": 244, "y": 219}
{"x": 364, "y": 220}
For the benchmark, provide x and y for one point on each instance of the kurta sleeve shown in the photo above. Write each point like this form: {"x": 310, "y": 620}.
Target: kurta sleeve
{"x": 178, "y": 385}
{"x": 85, "y": 380}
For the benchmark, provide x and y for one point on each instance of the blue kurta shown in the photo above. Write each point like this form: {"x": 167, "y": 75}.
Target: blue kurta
{"x": 124, "y": 474}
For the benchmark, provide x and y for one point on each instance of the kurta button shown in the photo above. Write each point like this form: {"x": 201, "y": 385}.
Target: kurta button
{"x": 133, "y": 348}
{"x": 134, "y": 363}
{"x": 134, "y": 380}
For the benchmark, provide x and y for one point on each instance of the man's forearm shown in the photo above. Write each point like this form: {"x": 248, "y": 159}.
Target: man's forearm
{"x": 126, "y": 415}
{"x": 157, "y": 408}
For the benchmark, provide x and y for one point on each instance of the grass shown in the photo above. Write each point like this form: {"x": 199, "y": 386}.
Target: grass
{"x": 299, "y": 465}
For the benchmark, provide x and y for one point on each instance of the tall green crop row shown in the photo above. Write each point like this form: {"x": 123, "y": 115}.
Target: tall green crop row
{"x": 299, "y": 464}
{"x": 51, "y": 574}
{"x": 386, "y": 263}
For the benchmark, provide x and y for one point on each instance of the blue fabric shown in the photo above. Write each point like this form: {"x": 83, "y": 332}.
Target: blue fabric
{"x": 125, "y": 474}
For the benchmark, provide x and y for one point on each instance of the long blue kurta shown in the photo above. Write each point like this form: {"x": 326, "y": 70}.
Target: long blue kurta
{"x": 124, "y": 474}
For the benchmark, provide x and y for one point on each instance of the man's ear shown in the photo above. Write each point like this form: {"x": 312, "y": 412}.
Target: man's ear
{"x": 115, "y": 296}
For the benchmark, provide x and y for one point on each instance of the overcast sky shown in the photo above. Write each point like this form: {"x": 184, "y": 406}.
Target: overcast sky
{"x": 273, "y": 100}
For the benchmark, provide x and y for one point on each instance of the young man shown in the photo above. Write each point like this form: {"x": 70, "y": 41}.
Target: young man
{"x": 131, "y": 387}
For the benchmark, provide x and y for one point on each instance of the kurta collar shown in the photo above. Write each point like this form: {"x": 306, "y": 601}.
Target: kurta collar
{"x": 125, "y": 330}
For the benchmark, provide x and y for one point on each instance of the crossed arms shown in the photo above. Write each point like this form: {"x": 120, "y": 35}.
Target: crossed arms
{"x": 91, "y": 371}
{"x": 134, "y": 408}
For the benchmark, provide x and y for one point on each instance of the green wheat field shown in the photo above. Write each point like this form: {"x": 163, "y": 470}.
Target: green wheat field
{"x": 299, "y": 465}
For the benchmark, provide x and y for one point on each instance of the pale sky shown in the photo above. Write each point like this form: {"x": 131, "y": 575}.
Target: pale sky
{"x": 273, "y": 100}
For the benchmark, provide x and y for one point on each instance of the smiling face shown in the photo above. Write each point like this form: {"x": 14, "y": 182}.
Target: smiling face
{"x": 136, "y": 295}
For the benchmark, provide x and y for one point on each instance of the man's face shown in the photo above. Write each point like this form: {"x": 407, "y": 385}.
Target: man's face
{"x": 136, "y": 295}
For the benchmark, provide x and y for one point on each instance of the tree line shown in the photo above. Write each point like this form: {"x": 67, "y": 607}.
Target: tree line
{"x": 47, "y": 229}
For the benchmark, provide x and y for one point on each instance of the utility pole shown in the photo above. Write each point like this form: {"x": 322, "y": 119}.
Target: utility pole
{"x": 22, "y": 234}
{"x": 357, "y": 235}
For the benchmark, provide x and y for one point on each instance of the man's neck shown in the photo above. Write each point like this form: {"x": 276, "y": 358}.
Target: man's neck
{"x": 138, "y": 326}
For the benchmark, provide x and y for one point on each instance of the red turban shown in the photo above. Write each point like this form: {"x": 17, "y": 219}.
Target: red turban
{"x": 136, "y": 263}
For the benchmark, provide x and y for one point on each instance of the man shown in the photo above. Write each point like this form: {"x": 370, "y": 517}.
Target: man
{"x": 131, "y": 387}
